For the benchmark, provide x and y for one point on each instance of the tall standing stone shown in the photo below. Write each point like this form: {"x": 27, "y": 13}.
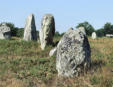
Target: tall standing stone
{"x": 73, "y": 53}
{"x": 5, "y": 32}
{"x": 47, "y": 30}
{"x": 94, "y": 36}
{"x": 30, "y": 29}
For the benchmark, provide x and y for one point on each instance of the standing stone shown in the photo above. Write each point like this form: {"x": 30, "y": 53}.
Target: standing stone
{"x": 73, "y": 53}
{"x": 47, "y": 30}
{"x": 5, "y": 32}
{"x": 30, "y": 29}
{"x": 94, "y": 36}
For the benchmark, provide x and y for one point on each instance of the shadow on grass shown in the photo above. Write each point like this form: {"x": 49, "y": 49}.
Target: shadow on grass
{"x": 96, "y": 65}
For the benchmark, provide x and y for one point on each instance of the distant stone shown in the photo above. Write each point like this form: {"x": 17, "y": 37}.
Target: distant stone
{"x": 73, "y": 53}
{"x": 30, "y": 29}
{"x": 47, "y": 31}
{"x": 53, "y": 52}
{"x": 94, "y": 36}
{"x": 5, "y": 32}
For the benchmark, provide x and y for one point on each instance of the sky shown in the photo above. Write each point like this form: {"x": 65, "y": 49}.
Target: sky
{"x": 67, "y": 13}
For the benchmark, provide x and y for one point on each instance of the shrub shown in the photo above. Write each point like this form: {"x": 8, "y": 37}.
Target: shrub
{"x": 20, "y": 32}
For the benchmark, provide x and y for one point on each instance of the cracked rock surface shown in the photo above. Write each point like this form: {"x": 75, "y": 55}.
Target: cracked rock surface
{"x": 73, "y": 51}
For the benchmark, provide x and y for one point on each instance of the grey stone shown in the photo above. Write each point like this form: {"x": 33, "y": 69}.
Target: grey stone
{"x": 70, "y": 29}
{"x": 5, "y": 32}
{"x": 47, "y": 31}
{"x": 82, "y": 29}
{"x": 73, "y": 53}
{"x": 94, "y": 36}
{"x": 53, "y": 52}
{"x": 30, "y": 29}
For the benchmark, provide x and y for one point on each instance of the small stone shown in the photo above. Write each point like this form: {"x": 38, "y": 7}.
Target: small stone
{"x": 94, "y": 36}
{"x": 53, "y": 52}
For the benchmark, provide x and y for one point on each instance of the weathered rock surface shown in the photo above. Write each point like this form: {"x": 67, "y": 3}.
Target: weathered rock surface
{"x": 30, "y": 29}
{"x": 5, "y": 32}
{"x": 94, "y": 36}
{"x": 53, "y": 52}
{"x": 73, "y": 53}
{"x": 47, "y": 30}
{"x": 82, "y": 29}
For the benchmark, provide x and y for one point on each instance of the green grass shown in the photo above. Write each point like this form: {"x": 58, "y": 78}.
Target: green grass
{"x": 25, "y": 63}
{"x": 95, "y": 80}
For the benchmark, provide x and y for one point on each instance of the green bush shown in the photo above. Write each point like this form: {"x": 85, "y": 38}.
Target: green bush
{"x": 88, "y": 27}
{"x": 100, "y": 32}
{"x": 15, "y": 31}
{"x": 20, "y": 32}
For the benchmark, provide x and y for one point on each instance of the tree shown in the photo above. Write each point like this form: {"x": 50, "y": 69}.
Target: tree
{"x": 63, "y": 33}
{"x": 20, "y": 32}
{"x": 108, "y": 28}
{"x": 37, "y": 32}
{"x": 57, "y": 34}
{"x": 100, "y": 32}
{"x": 15, "y": 31}
{"x": 12, "y": 27}
{"x": 88, "y": 28}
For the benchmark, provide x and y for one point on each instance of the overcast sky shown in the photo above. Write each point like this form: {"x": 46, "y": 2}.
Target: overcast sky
{"x": 67, "y": 13}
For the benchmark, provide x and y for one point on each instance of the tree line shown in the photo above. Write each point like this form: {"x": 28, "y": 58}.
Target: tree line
{"x": 106, "y": 29}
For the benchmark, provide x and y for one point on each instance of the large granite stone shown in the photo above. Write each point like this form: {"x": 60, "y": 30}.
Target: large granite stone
{"x": 73, "y": 53}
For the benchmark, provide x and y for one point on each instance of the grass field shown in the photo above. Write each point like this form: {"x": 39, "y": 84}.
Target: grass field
{"x": 23, "y": 64}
